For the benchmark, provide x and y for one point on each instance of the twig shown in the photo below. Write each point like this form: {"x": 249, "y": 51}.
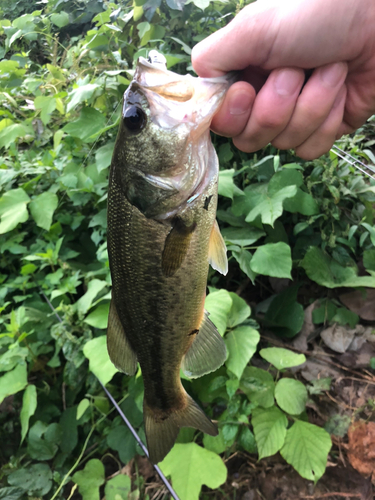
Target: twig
{"x": 334, "y": 493}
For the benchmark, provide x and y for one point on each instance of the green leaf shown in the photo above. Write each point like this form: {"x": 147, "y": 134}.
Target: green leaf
{"x": 291, "y": 395}
{"x": 369, "y": 259}
{"x": 328, "y": 272}
{"x": 89, "y": 123}
{"x": 306, "y": 449}
{"x": 101, "y": 366}
{"x": 273, "y": 259}
{"x": 247, "y": 441}
{"x": 29, "y": 403}
{"x": 36, "y": 479}
{"x": 98, "y": 318}
{"x": 191, "y": 466}
{"x": 82, "y": 407}
{"x": 80, "y": 94}
{"x": 226, "y": 185}
{"x": 13, "y": 381}
{"x": 61, "y": 19}
{"x": 47, "y": 104}
{"x": 93, "y": 288}
{"x": 244, "y": 260}
{"x": 11, "y": 493}
{"x": 345, "y": 317}
{"x": 242, "y": 236}
{"x": 269, "y": 430}
{"x": 43, "y": 440}
{"x": 42, "y": 209}
{"x": 241, "y": 344}
{"x": 302, "y": 203}
{"x": 285, "y": 315}
{"x": 258, "y": 385}
{"x": 68, "y": 423}
{"x": 118, "y": 488}
{"x": 90, "y": 479}
{"x": 9, "y": 134}
{"x": 216, "y": 444}
{"x": 13, "y": 209}
{"x": 121, "y": 439}
{"x": 239, "y": 312}
{"x": 270, "y": 206}
{"x": 282, "y": 358}
{"x": 103, "y": 156}
{"x": 218, "y": 304}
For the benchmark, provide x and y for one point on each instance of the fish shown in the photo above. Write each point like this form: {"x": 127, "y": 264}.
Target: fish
{"x": 162, "y": 236}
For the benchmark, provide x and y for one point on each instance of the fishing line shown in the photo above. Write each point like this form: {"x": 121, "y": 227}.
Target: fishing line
{"x": 347, "y": 157}
{"x": 122, "y": 415}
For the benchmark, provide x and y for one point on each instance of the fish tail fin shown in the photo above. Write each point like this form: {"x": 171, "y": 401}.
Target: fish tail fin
{"x": 162, "y": 430}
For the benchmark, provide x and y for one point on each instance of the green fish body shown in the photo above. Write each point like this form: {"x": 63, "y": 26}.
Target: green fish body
{"x": 162, "y": 235}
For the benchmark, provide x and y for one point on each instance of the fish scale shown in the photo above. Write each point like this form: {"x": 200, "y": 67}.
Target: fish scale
{"x": 162, "y": 234}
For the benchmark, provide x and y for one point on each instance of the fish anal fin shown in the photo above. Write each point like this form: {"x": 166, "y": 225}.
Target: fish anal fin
{"x": 207, "y": 352}
{"x": 119, "y": 349}
{"x": 217, "y": 251}
{"x": 162, "y": 430}
{"x": 176, "y": 247}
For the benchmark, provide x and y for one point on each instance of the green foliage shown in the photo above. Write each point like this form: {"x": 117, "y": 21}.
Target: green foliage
{"x": 63, "y": 71}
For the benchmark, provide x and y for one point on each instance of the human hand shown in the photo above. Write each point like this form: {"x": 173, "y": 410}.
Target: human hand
{"x": 273, "y": 42}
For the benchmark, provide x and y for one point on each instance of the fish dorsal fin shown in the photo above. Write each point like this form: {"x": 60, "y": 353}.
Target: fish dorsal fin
{"x": 217, "y": 251}
{"x": 207, "y": 352}
{"x": 119, "y": 349}
{"x": 176, "y": 247}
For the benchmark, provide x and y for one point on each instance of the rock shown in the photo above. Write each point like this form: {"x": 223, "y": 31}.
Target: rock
{"x": 338, "y": 338}
{"x": 361, "y": 303}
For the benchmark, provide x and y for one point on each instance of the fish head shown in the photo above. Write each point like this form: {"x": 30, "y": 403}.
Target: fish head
{"x": 163, "y": 147}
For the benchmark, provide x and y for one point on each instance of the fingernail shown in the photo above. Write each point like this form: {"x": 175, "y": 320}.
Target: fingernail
{"x": 239, "y": 103}
{"x": 332, "y": 74}
{"x": 339, "y": 98}
{"x": 287, "y": 82}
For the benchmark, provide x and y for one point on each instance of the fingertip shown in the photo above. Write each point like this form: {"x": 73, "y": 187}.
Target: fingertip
{"x": 233, "y": 115}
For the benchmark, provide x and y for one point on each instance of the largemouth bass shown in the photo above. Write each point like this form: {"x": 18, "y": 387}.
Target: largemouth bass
{"x": 162, "y": 235}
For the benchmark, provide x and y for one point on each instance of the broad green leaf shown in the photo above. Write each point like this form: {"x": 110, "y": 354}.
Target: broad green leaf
{"x": 98, "y": 318}
{"x": 291, "y": 395}
{"x": 35, "y": 479}
{"x": 270, "y": 206}
{"x": 244, "y": 259}
{"x": 118, "y": 488}
{"x": 47, "y": 104}
{"x": 90, "y": 122}
{"x": 13, "y": 381}
{"x": 143, "y": 28}
{"x": 11, "y": 493}
{"x": 13, "y": 209}
{"x": 284, "y": 178}
{"x": 269, "y": 429}
{"x": 43, "y": 440}
{"x": 60, "y": 19}
{"x": 90, "y": 479}
{"x": 328, "y": 272}
{"x": 216, "y": 444}
{"x": 226, "y": 184}
{"x": 285, "y": 315}
{"x": 121, "y": 439}
{"x": 9, "y": 134}
{"x": 218, "y": 304}
{"x": 93, "y": 288}
{"x": 239, "y": 311}
{"x": 282, "y": 358}
{"x": 369, "y": 259}
{"x": 191, "y": 466}
{"x": 68, "y": 424}
{"x": 258, "y": 385}
{"x": 302, "y": 203}
{"x": 80, "y": 94}
{"x": 306, "y": 449}
{"x": 241, "y": 344}
{"x": 242, "y": 236}
{"x": 29, "y": 403}
{"x": 42, "y": 209}
{"x": 103, "y": 156}
{"x": 246, "y": 439}
{"x": 82, "y": 407}
{"x": 273, "y": 259}
{"x": 101, "y": 366}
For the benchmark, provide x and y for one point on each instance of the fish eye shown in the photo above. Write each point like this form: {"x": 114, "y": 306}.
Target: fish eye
{"x": 134, "y": 118}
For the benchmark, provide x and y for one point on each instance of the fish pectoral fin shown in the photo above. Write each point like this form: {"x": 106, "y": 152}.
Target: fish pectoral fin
{"x": 217, "y": 251}
{"x": 119, "y": 349}
{"x": 176, "y": 247}
{"x": 207, "y": 352}
{"x": 162, "y": 429}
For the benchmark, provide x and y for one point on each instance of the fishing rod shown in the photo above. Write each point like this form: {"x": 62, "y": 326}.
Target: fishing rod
{"x": 167, "y": 484}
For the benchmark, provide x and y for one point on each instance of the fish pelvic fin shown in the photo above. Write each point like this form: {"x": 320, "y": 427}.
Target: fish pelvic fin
{"x": 207, "y": 352}
{"x": 119, "y": 349}
{"x": 217, "y": 251}
{"x": 176, "y": 246}
{"x": 162, "y": 429}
